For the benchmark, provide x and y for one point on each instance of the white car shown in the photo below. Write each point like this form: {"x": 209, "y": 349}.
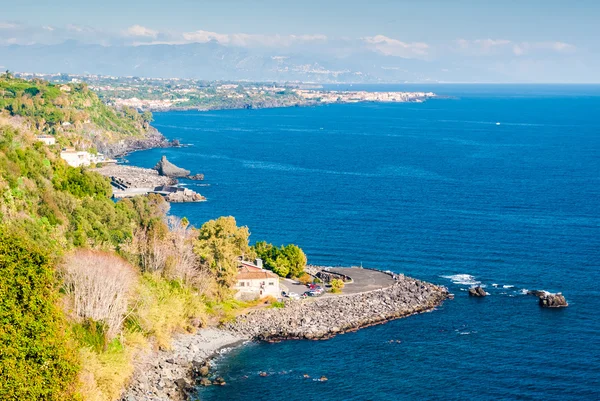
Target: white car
{"x": 293, "y": 295}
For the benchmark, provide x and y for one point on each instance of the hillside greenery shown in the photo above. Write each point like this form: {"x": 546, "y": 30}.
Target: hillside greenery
{"x": 71, "y": 111}
{"x": 86, "y": 282}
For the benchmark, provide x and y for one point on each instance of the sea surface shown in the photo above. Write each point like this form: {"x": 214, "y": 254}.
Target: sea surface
{"x": 494, "y": 185}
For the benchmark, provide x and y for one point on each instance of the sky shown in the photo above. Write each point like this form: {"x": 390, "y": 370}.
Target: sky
{"x": 551, "y": 36}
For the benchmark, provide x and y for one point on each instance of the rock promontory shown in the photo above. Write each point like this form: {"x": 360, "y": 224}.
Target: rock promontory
{"x": 168, "y": 169}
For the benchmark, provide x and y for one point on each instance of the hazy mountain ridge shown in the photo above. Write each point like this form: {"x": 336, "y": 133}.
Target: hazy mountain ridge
{"x": 211, "y": 61}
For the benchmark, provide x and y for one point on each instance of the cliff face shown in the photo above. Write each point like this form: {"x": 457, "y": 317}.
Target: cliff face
{"x": 152, "y": 139}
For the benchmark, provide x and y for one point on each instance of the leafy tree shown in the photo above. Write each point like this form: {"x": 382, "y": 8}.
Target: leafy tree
{"x": 220, "y": 244}
{"x": 297, "y": 259}
{"x": 286, "y": 261}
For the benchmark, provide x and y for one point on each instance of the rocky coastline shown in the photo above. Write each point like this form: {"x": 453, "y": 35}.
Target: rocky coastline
{"x": 153, "y": 139}
{"x": 172, "y": 375}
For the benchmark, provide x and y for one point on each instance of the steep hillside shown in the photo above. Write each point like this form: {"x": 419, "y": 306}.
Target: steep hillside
{"x": 75, "y": 116}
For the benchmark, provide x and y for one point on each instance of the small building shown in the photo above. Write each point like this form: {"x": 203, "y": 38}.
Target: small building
{"x": 75, "y": 158}
{"x": 254, "y": 282}
{"x": 47, "y": 139}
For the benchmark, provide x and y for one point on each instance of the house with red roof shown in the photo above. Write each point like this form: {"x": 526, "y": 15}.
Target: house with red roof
{"x": 254, "y": 282}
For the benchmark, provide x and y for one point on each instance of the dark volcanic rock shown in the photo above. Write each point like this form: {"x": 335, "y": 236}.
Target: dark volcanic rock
{"x": 168, "y": 169}
{"x": 477, "y": 292}
{"x": 537, "y": 293}
{"x": 553, "y": 301}
{"x": 153, "y": 139}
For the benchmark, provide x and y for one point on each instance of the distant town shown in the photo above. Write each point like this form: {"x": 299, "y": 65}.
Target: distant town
{"x": 162, "y": 94}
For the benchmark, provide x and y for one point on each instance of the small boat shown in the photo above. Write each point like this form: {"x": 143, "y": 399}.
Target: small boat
{"x": 497, "y": 123}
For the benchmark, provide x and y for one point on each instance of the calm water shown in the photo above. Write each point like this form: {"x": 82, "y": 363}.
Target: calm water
{"x": 438, "y": 191}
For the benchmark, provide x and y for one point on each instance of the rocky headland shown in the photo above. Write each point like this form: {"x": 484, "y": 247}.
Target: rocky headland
{"x": 153, "y": 139}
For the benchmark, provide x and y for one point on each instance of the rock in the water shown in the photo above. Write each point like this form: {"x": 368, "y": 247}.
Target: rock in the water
{"x": 477, "y": 292}
{"x": 205, "y": 382}
{"x": 203, "y": 371}
{"x": 168, "y": 169}
{"x": 537, "y": 293}
{"x": 196, "y": 177}
{"x": 553, "y": 301}
{"x": 219, "y": 381}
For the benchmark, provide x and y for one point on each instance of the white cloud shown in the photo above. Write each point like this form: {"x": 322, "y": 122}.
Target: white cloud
{"x": 138, "y": 30}
{"x": 482, "y": 45}
{"x": 498, "y": 46}
{"x": 395, "y": 47}
{"x": 523, "y": 48}
{"x": 8, "y": 25}
{"x": 250, "y": 40}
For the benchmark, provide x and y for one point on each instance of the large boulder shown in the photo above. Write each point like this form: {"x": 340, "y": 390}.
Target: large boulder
{"x": 477, "y": 292}
{"x": 168, "y": 169}
{"x": 553, "y": 301}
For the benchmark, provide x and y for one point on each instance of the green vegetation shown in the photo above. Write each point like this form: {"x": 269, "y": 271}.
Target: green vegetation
{"x": 220, "y": 243}
{"x": 336, "y": 285}
{"x": 71, "y": 112}
{"x": 37, "y": 358}
{"x": 122, "y": 276}
{"x": 285, "y": 261}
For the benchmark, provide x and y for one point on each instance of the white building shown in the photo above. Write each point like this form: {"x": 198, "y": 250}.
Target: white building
{"x": 76, "y": 158}
{"x": 47, "y": 139}
{"x": 254, "y": 282}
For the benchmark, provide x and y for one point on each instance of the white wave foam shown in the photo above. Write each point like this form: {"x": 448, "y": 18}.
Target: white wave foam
{"x": 463, "y": 279}
{"x": 508, "y": 286}
{"x": 524, "y": 291}
{"x": 495, "y": 285}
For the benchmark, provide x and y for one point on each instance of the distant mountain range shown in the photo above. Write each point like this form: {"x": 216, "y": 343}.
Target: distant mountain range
{"x": 213, "y": 61}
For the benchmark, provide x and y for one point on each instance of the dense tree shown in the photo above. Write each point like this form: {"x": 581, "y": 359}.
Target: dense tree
{"x": 286, "y": 261}
{"x": 220, "y": 244}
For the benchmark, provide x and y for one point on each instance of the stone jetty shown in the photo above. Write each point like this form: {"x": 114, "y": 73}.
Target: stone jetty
{"x": 325, "y": 317}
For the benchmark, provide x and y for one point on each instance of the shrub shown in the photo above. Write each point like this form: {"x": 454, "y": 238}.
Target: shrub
{"x": 99, "y": 285}
{"x": 36, "y": 362}
{"x": 336, "y": 285}
{"x": 305, "y": 279}
{"x": 278, "y": 304}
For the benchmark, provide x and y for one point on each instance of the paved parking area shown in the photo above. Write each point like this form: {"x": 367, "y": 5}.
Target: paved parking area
{"x": 363, "y": 280}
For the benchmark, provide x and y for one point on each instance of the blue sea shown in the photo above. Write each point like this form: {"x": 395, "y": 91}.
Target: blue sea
{"x": 493, "y": 185}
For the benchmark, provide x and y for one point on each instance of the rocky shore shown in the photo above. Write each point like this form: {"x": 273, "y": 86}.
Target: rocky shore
{"x": 171, "y": 375}
{"x": 131, "y": 181}
{"x": 153, "y": 139}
